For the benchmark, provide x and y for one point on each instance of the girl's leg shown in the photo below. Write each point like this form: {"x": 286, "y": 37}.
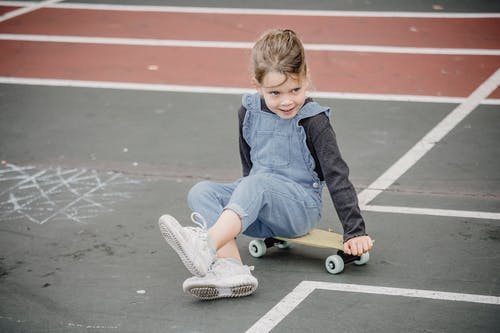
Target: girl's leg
{"x": 223, "y": 233}
{"x": 209, "y": 199}
{"x": 261, "y": 205}
{"x": 270, "y": 205}
{"x": 227, "y": 276}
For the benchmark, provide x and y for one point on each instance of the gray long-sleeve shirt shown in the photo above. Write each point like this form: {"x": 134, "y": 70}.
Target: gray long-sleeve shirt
{"x": 330, "y": 167}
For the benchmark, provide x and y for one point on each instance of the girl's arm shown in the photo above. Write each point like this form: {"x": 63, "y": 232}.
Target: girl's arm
{"x": 335, "y": 172}
{"x": 246, "y": 162}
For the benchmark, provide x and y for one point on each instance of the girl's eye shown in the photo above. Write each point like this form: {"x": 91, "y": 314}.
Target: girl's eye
{"x": 296, "y": 90}
{"x": 274, "y": 93}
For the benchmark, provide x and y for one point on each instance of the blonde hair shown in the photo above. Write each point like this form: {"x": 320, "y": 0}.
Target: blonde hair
{"x": 278, "y": 50}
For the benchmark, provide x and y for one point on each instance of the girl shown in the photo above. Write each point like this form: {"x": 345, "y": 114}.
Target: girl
{"x": 288, "y": 152}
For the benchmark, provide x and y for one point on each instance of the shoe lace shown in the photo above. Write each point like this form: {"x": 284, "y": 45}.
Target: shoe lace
{"x": 199, "y": 220}
{"x": 201, "y": 231}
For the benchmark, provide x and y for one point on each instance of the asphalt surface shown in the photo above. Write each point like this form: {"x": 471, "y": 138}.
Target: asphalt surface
{"x": 85, "y": 174}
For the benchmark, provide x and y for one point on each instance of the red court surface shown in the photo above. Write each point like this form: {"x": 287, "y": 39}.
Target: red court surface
{"x": 433, "y": 75}
{"x": 388, "y": 31}
{"x": 452, "y": 75}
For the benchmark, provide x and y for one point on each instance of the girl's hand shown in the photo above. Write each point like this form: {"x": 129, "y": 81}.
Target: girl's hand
{"x": 358, "y": 245}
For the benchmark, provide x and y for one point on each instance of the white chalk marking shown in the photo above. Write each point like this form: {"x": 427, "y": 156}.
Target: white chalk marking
{"x": 13, "y": 201}
{"x": 430, "y": 140}
{"x": 23, "y": 176}
{"x": 82, "y": 197}
{"x": 32, "y": 6}
{"x": 93, "y": 327}
{"x": 433, "y": 212}
{"x": 241, "y": 45}
{"x": 272, "y": 318}
{"x": 255, "y": 11}
{"x": 33, "y": 180}
{"x": 228, "y": 90}
{"x": 45, "y": 194}
{"x": 36, "y": 196}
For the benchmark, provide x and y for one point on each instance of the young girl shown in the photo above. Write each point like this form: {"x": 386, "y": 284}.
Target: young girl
{"x": 288, "y": 152}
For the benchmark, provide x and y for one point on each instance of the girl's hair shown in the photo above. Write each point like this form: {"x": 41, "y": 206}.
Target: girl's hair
{"x": 278, "y": 50}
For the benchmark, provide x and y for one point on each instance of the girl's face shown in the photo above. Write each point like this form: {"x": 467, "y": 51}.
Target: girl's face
{"x": 284, "y": 95}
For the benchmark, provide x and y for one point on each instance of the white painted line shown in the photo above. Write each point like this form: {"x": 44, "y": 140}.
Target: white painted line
{"x": 272, "y": 318}
{"x": 126, "y": 86}
{"x": 390, "y": 97}
{"x": 414, "y": 293}
{"x": 399, "y": 50}
{"x": 432, "y": 212}
{"x": 282, "y": 309}
{"x": 429, "y": 140}
{"x": 242, "y": 45}
{"x": 228, "y": 90}
{"x": 24, "y": 10}
{"x": 256, "y": 11}
{"x": 125, "y": 41}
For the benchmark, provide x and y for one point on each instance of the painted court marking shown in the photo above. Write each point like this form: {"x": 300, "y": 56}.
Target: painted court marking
{"x": 230, "y": 90}
{"x": 241, "y": 45}
{"x": 422, "y": 147}
{"x": 272, "y": 318}
{"x": 32, "y": 6}
{"x": 433, "y": 212}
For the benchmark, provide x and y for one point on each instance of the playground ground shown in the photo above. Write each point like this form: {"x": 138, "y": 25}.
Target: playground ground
{"x": 110, "y": 113}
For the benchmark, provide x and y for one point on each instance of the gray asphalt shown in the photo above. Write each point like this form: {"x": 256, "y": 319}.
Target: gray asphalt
{"x": 99, "y": 264}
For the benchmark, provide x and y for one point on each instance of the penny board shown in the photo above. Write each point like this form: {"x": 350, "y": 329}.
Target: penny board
{"x": 318, "y": 238}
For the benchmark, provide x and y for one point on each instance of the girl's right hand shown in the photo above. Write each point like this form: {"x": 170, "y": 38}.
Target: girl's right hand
{"x": 358, "y": 245}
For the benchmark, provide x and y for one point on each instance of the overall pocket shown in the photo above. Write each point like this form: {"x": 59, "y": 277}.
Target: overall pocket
{"x": 273, "y": 149}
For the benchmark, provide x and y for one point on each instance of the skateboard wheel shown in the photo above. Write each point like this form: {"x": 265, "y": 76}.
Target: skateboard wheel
{"x": 257, "y": 248}
{"x": 334, "y": 264}
{"x": 365, "y": 257}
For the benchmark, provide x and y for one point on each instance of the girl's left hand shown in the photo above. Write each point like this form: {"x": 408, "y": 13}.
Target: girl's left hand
{"x": 358, "y": 245}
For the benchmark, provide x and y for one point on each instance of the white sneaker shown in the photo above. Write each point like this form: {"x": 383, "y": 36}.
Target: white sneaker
{"x": 226, "y": 278}
{"x": 191, "y": 243}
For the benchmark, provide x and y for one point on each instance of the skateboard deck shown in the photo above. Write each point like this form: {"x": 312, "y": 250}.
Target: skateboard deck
{"x": 334, "y": 264}
{"x": 318, "y": 238}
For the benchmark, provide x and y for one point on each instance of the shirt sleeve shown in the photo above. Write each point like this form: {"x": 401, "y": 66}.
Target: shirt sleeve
{"x": 335, "y": 172}
{"x": 246, "y": 162}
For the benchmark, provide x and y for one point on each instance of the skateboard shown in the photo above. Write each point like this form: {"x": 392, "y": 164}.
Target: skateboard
{"x": 334, "y": 264}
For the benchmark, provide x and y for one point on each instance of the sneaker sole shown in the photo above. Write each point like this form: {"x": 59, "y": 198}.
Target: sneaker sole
{"x": 167, "y": 226}
{"x": 210, "y": 292}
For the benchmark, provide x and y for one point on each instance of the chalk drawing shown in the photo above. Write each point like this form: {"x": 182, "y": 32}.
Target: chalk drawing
{"x": 42, "y": 195}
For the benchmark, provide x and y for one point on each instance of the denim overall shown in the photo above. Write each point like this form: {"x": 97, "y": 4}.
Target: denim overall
{"x": 282, "y": 194}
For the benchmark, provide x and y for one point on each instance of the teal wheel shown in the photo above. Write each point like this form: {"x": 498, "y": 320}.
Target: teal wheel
{"x": 365, "y": 257}
{"x": 257, "y": 248}
{"x": 334, "y": 264}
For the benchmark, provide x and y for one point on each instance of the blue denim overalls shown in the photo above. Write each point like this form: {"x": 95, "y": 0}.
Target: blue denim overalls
{"x": 282, "y": 194}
